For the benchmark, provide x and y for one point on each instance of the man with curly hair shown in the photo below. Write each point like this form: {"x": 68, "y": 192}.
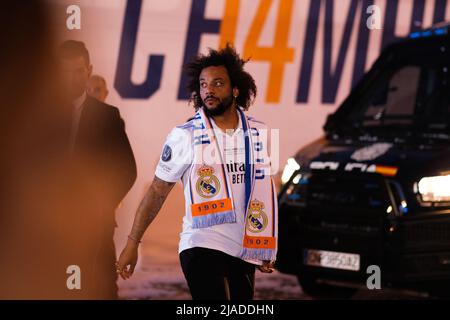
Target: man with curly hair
{"x": 221, "y": 156}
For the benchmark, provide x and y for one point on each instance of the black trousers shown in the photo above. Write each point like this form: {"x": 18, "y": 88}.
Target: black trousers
{"x": 214, "y": 275}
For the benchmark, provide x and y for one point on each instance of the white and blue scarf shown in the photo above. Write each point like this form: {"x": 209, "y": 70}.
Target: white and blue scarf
{"x": 211, "y": 198}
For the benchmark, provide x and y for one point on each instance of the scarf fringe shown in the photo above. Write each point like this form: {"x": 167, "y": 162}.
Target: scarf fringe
{"x": 213, "y": 219}
{"x": 258, "y": 254}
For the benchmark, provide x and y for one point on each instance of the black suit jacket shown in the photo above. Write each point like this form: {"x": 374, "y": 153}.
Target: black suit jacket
{"x": 103, "y": 170}
{"x": 103, "y": 155}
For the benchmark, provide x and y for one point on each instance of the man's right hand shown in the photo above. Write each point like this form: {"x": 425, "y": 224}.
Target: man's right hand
{"x": 147, "y": 211}
{"x": 127, "y": 260}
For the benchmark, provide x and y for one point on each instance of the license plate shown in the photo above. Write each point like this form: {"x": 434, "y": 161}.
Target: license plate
{"x": 330, "y": 259}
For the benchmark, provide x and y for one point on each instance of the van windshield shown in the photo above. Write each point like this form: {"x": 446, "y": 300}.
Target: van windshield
{"x": 411, "y": 94}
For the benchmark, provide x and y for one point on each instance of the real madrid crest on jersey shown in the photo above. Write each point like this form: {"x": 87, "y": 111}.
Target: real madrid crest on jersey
{"x": 207, "y": 183}
{"x": 257, "y": 218}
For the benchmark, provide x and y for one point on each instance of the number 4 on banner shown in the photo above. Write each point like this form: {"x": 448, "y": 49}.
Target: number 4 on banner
{"x": 277, "y": 55}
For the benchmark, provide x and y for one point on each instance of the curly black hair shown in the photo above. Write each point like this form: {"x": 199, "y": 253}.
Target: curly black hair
{"x": 234, "y": 64}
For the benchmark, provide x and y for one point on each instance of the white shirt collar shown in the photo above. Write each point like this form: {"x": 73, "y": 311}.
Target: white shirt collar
{"x": 78, "y": 102}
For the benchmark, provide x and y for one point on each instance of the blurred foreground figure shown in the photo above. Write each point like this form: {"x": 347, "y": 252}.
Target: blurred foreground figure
{"x": 96, "y": 87}
{"x": 62, "y": 171}
{"x": 35, "y": 198}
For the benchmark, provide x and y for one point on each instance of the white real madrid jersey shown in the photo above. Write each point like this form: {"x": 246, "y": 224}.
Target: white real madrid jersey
{"x": 174, "y": 164}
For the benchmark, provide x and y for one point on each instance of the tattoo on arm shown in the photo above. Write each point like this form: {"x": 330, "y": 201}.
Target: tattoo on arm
{"x": 150, "y": 206}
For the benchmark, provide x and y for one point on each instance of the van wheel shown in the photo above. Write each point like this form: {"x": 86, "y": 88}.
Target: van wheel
{"x": 311, "y": 287}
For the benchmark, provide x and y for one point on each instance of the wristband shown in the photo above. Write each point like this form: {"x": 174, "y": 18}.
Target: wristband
{"x": 135, "y": 240}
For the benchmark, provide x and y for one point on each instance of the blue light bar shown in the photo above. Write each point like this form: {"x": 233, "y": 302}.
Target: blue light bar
{"x": 440, "y": 31}
{"x": 428, "y": 33}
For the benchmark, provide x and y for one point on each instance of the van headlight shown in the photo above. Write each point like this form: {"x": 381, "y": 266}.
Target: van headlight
{"x": 434, "y": 189}
{"x": 289, "y": 169}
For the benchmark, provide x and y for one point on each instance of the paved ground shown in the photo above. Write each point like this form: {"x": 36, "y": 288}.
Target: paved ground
{"x": 166, "y": 282}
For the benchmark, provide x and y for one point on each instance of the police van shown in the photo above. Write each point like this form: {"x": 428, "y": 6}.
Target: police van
{"x": 372, "y": 196}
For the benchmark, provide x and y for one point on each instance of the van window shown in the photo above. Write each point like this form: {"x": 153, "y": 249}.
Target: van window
{"x": 404, "y": 95}
{"x": 396, "y": 96}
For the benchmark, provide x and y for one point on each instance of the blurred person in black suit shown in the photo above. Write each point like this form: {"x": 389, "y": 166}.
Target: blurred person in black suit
{"x": 104, "y": 170}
